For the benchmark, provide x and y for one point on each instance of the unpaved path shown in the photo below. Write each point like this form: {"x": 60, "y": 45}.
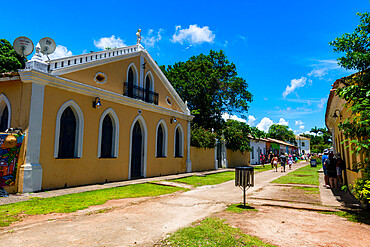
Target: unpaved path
{"x": 132, "y": 222}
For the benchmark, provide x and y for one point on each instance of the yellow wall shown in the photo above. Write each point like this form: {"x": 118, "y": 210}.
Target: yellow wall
{"x": 202, "y": 159}
{"x": 19, "y": 96}
{"x": 346, "y": 152}
{"x": 237, "y": 158}
{"x": 117, "y": 74}
{"x": 89, "y": 169}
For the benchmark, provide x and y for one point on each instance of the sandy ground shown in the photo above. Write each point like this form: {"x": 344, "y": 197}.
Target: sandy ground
{"x": 291, "y": 227}
{"x": 145, "y": 221}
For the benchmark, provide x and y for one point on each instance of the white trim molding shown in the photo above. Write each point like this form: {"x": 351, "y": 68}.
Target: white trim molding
{"x": 178, "y": 126}
{"x": 135, "y": 72}
{"x": 165, "y": 137}
{"x": 188, "y": 160}
{"x": 115, "y": 134}
{"x": 32, "y": 176}
{"x": 79, "y": 128}
{"x": 144, "y": 132}
{"x": 4, "y": 99}
{"x": 151, "y": 77}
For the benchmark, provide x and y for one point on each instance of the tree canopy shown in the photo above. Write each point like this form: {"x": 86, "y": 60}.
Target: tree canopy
{"x": 9, "y": 59}
{"x": 281, "y": 132}
{"x": 355, "y": 48}
{"x": 211, "y": 86}
{"x": 320, "y": 141}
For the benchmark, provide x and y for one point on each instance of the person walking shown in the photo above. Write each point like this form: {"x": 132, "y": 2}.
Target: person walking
{"x": 339, "y": 167}
{"x": 282, "y": 161}
{"x": 324, "y": 160}
{"x": 290, "y": 161}
{"x": 275, "y": 162}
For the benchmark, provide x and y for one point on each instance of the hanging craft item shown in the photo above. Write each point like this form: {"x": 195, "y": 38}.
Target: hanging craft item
{"x": 10, "y": 146}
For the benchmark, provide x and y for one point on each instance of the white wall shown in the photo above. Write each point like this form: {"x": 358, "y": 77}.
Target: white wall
{"x": 257, "y": 147}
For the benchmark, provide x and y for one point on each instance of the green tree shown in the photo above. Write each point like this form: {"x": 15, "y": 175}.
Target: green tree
{"x": 211, "y": 86}
{"x": 9, "y": 59}
{"x": 281, "y": 132}
{"x": 315, "y": 130}
{"x": 355, "y": 48}
{"x": 237, "y": 135}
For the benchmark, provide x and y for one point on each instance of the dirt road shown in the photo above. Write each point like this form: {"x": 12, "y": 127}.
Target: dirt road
{"x": 132, "y": 222}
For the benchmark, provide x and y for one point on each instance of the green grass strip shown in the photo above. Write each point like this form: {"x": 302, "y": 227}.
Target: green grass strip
{"x": 308, "y": 190}
{"x": 305, "y": 175}
{"x": 74, "y": 202}
{"x": 239, "y": 208}
{"x": 216, "y": 178}
{"x": 354, "y": 216}
{"x": 212, "y": 232}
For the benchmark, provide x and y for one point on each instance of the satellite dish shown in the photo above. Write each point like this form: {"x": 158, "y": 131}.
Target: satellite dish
{"x": 23, "y": 46}
{"x": 47, "y": 46}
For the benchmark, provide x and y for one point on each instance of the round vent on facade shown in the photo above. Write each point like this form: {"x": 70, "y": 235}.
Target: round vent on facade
{"x": 100, "y": 78}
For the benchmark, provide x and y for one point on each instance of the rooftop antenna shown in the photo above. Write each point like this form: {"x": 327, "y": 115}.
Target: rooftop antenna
{"x": 47, "y": 46}
{"x": 23, "y": 46}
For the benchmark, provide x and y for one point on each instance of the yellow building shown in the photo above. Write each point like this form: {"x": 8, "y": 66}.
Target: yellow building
{"x": 104, "y": 116}
{"x": 336, "y": 113}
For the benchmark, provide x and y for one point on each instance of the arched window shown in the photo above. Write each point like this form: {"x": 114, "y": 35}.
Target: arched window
{"x": 130, "y": 81}
{"x": 69, "y": 131}
{"x": 161, "y": 139}
{"x": 5, "y": 111}
{"x": 147, "y": 90}
{"x": 179, "y": 141}
{"x": 4, "y": 119}
{"x": 108, "y": 135}
{"x": 107, "y": 138}
{"x": 67, "y": 137}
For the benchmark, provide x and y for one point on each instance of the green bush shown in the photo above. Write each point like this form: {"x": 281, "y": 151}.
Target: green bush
{"x": 202, "y": 138}
{"x": 361, "y": 190}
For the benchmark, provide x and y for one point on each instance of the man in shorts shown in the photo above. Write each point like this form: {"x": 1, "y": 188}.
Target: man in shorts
{"x": 282, "y": 161}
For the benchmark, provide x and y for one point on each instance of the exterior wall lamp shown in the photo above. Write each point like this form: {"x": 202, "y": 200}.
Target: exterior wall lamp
{"x": 335, "y": 114}
{"x": 96, "y": 103}
{"x": 173, "y": 120}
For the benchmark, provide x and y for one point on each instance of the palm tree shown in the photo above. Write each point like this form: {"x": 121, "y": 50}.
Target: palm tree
{"x": 315, "y": 130}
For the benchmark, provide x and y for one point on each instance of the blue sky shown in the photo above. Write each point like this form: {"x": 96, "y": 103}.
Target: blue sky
{"x": 280, "y": 47}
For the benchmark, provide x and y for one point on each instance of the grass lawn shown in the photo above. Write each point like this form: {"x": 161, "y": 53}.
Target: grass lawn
{"x": 304, "y": 175}
{"x": 212, "y": 232}
{"x": 73, "y": 202}
{"x": 308, "y": 190}
{"x": 239, "y": 208}
{"x": 354, "y": 216}
{"x": 216, "y": 178}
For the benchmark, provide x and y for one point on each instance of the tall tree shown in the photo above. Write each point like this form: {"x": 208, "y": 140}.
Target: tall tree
{"x": 281, "y": 132}
{"x": 211, "y": 86}
{"x": 315, "y": 130}
{"x": 355, "y": 48}
{"x": 9, "y": 59}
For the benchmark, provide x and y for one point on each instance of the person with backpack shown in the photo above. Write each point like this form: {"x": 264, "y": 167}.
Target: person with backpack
{"x": 332, "y": 172}
{"x": 324, "y": 158}
{"x": 282, "y": 161}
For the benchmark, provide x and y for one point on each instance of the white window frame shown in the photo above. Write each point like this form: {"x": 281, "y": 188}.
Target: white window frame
{"x": 181, "y": 141}
{"x": 79, "y": 128}
{"x": 136, "y": 74}
{"x": 165, "y": 137}
{"x": 149, "y": 73}
{"x": 4, "y": 99}
{"x": 115, "y": 134}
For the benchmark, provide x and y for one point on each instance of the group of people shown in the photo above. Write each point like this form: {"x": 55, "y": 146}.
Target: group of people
{"x": 283, "y": 159}
{"x": 332, "y": 166}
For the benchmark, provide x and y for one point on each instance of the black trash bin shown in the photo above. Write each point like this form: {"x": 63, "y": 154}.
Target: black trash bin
{"x": 313, "y": 163}
{"x": 244, "y": 178}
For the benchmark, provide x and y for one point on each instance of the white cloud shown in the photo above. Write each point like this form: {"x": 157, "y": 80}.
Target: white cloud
{"x": 282, "y": 121}
{"x": 60, "y": 51}
{"x": 301, "y": 127}
{"x": 251, "y": 120}
{"x": 298, "y": 122}
{"x": 318, "y": 72}
{"x": 226, "y": 116}
{"x": 321, "y": 104}
{"x": 294, "y": 84}
{"x": 265, "y": 124}
{"x": 111, "y": 42}
{"x": 193, "y": 35}
{"x": 150, "y": 40}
